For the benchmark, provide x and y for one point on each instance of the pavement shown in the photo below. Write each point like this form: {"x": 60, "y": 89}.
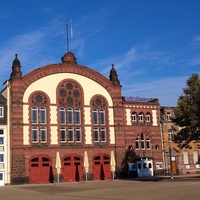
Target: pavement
{"x": 150, "y": 188}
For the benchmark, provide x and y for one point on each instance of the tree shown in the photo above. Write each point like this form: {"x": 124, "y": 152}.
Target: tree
{"x": 187, "y": 113}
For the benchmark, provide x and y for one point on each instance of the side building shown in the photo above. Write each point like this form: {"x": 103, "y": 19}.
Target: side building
{"x": 70, "y": 109}
{"x": 177, "y": 161}
{"x": 4, "y": 154}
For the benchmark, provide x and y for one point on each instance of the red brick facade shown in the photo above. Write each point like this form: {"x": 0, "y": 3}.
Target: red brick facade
{"x": 124, "y": 132}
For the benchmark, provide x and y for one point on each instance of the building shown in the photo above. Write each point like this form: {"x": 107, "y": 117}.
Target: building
{"x": 3, "y": 142}
{"x": 72, "y": 109}
{"x": 183, "y": 161}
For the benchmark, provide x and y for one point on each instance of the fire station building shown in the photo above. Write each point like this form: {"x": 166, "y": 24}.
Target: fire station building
{"x": 72, "y": 109}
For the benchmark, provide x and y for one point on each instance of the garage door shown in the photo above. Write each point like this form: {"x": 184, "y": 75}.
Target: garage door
{"x": 72, "y": 166}
{"x": 40, "y": 169}
{"x": 101, "y": 167}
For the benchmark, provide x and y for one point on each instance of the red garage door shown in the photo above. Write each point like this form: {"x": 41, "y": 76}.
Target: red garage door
{"x": 72, "y": 166}
{"x": 101, "y": 167}
{"x": 40, "y": 169}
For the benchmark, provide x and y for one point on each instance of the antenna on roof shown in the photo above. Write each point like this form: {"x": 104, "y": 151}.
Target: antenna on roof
{"x": 71, "y": 34}
{"x": 67, "y": 35}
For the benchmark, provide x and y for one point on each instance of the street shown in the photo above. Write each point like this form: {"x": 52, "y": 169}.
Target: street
{"x": 105, "y": 190}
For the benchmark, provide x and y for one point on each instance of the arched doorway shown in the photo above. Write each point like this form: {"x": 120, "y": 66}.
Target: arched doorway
{"x": 40, "y": 169}
{"x": 101, "y": 167}
{"x": 72, "y": 166}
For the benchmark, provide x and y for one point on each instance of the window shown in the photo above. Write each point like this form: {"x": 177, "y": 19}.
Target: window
{"x": 1, "y": 137}
{"x": 77, "y": 116}
{"x": 69, "y": 116}
{"x": 43, "y": 134}
{"x": 62, "y": 116}
{"x": 69, "y": 99}
{"x": 170, "y": 135}
{"x": 78, "y": 134}
{"x": 34, "y": 115}
{"x": 140, "y": 117}
{"x": 137, "y": 144}
{"x": 95, "y": 116}
{"x": 1, "y": 112}
{"x": 34, "y": 134}
{"x": 169, "y": 116}
{"x": 143, "y": 142}
{"x": 103, "y": 134}
{"x": 1, "y": 157}
{"x": 148, "y": 144}
{"x": 42, "y": 115}
{"x": 99, "y": 121}
{"x": 102, "y": 116}
{"x": 70, "y": 134}
{"x": 96, "y": 134}
{"x": 134, "y": 117}
{"x": 1, "y": 140}
{"x": 63, "y": 134}
{"x": 38, "y": 119}
{"x": 148, "y": 118}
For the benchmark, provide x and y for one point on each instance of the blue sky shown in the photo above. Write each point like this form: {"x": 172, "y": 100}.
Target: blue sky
{"x": 154, "y": 44}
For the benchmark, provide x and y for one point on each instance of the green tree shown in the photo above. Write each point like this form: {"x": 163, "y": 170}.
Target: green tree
{"x": 187, "y": 113}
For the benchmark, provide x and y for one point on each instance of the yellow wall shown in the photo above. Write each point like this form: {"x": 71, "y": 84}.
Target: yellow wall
{"x": 48, "y": 85}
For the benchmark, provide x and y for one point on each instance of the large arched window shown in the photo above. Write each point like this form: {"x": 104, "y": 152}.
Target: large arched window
{"x": 38, "y": 123}
{"x": 70, "y": 103}
{"x": 99, "y": 120}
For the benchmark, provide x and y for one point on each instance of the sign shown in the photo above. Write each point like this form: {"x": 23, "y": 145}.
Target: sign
{"x": 138, "y": 99}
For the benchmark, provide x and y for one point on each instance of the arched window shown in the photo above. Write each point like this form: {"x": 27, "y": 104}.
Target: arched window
{"x": 34, "y": 115}
{"x": 134, "y": 117}
{"x": 102, "y": 116}
{"x": 141, "y": 117}
{"x": 62, "y": 115}
{"x": 99, "y": 120}
{"x": 42, "y": 115}
{"x": 77, "y": 116}
{"x": 143, "y": 142}
{"x": 148, "y": 117}
{"x": 95, "y": 116}
{"x": 69, "y": 116}
{"x": 39, "y": 118}
{"x": 70, "y": 105}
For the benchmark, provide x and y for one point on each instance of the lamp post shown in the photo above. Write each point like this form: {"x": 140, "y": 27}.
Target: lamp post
{"x": 170, "y": 161}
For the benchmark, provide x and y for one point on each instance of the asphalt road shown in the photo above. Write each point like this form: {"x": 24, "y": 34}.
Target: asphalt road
{"x": 105, "y": 190}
